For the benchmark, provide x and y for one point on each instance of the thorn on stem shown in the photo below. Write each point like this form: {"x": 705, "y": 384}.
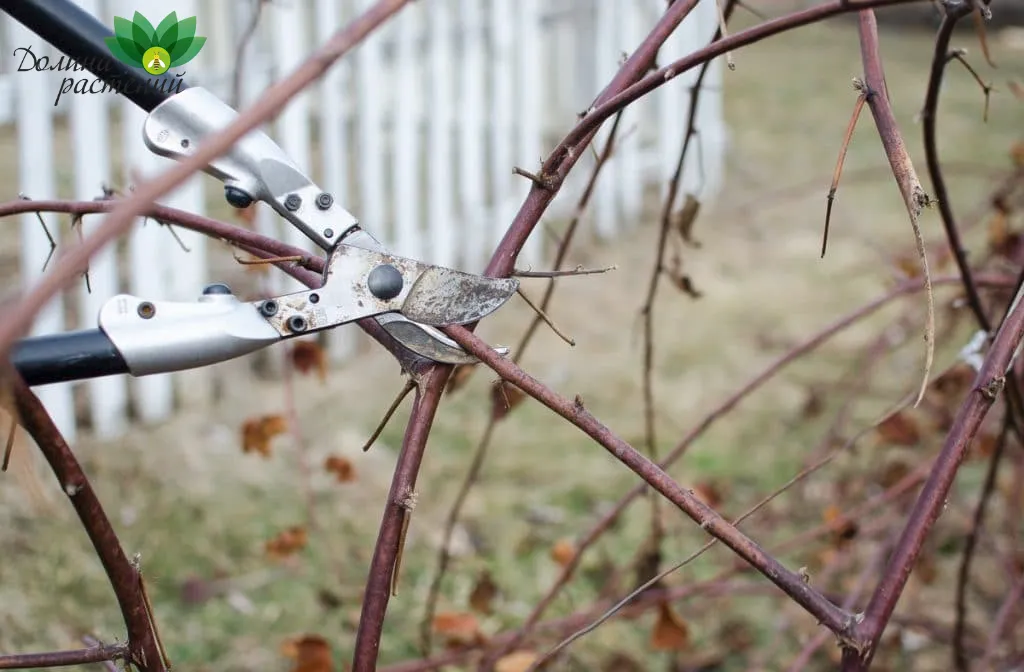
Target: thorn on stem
{"x": 542, "y": 180}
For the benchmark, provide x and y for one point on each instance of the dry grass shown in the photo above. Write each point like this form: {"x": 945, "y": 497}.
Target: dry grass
{"x": 183, "y": 495}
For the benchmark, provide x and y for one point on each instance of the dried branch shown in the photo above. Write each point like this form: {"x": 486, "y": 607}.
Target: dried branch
{"x": 93, "y": 654}
{"x": 837, "y": 173}
{"x": 409, "y": 386}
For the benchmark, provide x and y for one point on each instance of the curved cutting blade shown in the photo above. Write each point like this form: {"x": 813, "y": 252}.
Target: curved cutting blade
{"x": 443, "y": 296}
{"x": 427, "y": 341}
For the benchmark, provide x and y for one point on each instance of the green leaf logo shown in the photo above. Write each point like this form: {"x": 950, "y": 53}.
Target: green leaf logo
{"x": 156, "y": 50}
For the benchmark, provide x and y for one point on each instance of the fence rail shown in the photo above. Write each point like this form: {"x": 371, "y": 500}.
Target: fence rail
{"x": 416, "y": 132}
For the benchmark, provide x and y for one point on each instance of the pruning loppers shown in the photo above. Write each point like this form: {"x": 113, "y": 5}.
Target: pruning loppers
{"x": 361, "y": 278}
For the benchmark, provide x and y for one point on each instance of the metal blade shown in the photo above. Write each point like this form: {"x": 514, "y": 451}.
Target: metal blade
{"x": 443, "y": 296}
{"x": 427, "y": 341}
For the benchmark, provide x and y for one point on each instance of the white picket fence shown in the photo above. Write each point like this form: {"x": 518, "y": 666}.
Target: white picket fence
{"x": 416, "y": 132}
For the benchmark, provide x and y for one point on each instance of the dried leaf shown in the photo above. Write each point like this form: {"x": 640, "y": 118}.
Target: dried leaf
{"x": 908, "y": 265}
{"x": 843, "y": 529}
{"x": 308, "y": 356}
{"x": 563, "y": 552}
{"x": 953, "y": 383}
{"x": 257, "y": 433}
{"x": 517, "y": 661}
{"x": 482, "y": 597}
{"x": 899, "y": 429}
{"x": 984, "y": 445}
{"x": 670, "y": 631}
{"x": 311, "y": 653}
{"x": 504, "y": 398}
{"x": 1017, "y": 151}
{"x": 460, "y": 628}
{"x": 682, "y": 220}
{"x": 288, "y": 542}
{"x": 341, "y": 467}
{"x": 460, "y": 376}
{"x": 709, "y": 493}
{"x": 620, "y": 662}
{"x": 684, "y": 283}
{"x": 925, "y": 569}
{"x": 648, "y": 566}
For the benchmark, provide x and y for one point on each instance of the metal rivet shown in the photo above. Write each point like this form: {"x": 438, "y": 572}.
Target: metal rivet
{"x": 268, "y": 308}
{"x": 328, "y": 233}
{"x": 314, "y": 298}
{"x": 297, "y": 323}
{"x": 146, "y": 310}
{"x": 185, "y": 143}
{"x": 237, "y": 198}
{"x": 385, "y": 282}
{"x": 216, "y": 288}
{"x": 324, "y": 201}
{"x": 293, "y": 202}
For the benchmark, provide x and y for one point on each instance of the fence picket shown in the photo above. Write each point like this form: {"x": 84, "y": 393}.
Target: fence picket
{"x": 606, "y": 58}
{"x": 501, "y": 137}
{"x": 90, "y": 136}
{"x": 439, "y": 184}
{"x": 471, "y": 130}
{"x": 334, "y": 146}
{"x": 36, "y": 168}
{"x": 370, "y": 150}
{"x": 408, "y": 112}
{"x": 529, "y": 110}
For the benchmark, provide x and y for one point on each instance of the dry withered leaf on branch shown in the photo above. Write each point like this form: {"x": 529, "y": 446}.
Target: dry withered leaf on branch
{"x": 517, "y": 661}
{"x": 459, "y": 628}
{"x": 683, "y": 220}
{"x": 288, "y": 542}
{"x": 341, "y": 467}
{"x": 308, "y": 356}
{"x": 899, "y": 429}
{"x": 670, "y": 631}
{"x": 257, "y": 433}
{"x": 460, "y": 376}
{"x": 708, "y": 492}
{"x": 504, "y": 398}
{"x": 311, "y": 653}
{"x": 684, "y": 283}
{"x": 481, "y": 599}
{"x": 563, "y": 551}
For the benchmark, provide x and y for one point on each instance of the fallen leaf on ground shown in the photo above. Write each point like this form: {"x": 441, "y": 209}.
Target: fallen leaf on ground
{"x": 483, "y": 594}
{"x": 563, "y": 551}
{"x": 311, "y": 653}
{"x": 899, "y": 429}
{"x": 460, "y": 628}
{"x": 341, "y": 467}
{"x": 257, "y": 433}
{"x": 670, "y": 631}
{"x": 517, "y": 661}
{"x": 843, "y": 529}
{"x": 288, "y": 542}
{"x": 308, "y": 356}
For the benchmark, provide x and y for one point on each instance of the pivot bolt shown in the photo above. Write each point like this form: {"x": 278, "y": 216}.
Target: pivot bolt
{"x": 324, "y": 201}
{"x": 293, "y": 202}
{"x": 297, "y": 323}
{"x": 385, "y": 282}
{"x": 237, "y": 198}
{"x": 146, "y": 310}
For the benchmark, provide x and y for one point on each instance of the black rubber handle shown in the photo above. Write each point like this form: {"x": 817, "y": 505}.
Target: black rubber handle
{"x": 78, "y": 34}
{"x": 75, "y": 355}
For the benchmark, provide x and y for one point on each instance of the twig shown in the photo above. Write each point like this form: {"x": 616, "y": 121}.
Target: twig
{"x": 1003, "y": 620}
{"x": 579, "y": 270}
{"x": 295, "y": 258}
{"x": 93, "y": 654}
{"x": 543, "y": 316}
{"x": 142, "y": 647}
{"x": 137, "y": 564}
{"x": 410, "y": 384}
{"x": 837, "y": 173}
{"x": 914, "y": 196}
{"x": 986, "y": 88}
{"x": 9, "y": 448}
{"x": 960, "y": 658}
